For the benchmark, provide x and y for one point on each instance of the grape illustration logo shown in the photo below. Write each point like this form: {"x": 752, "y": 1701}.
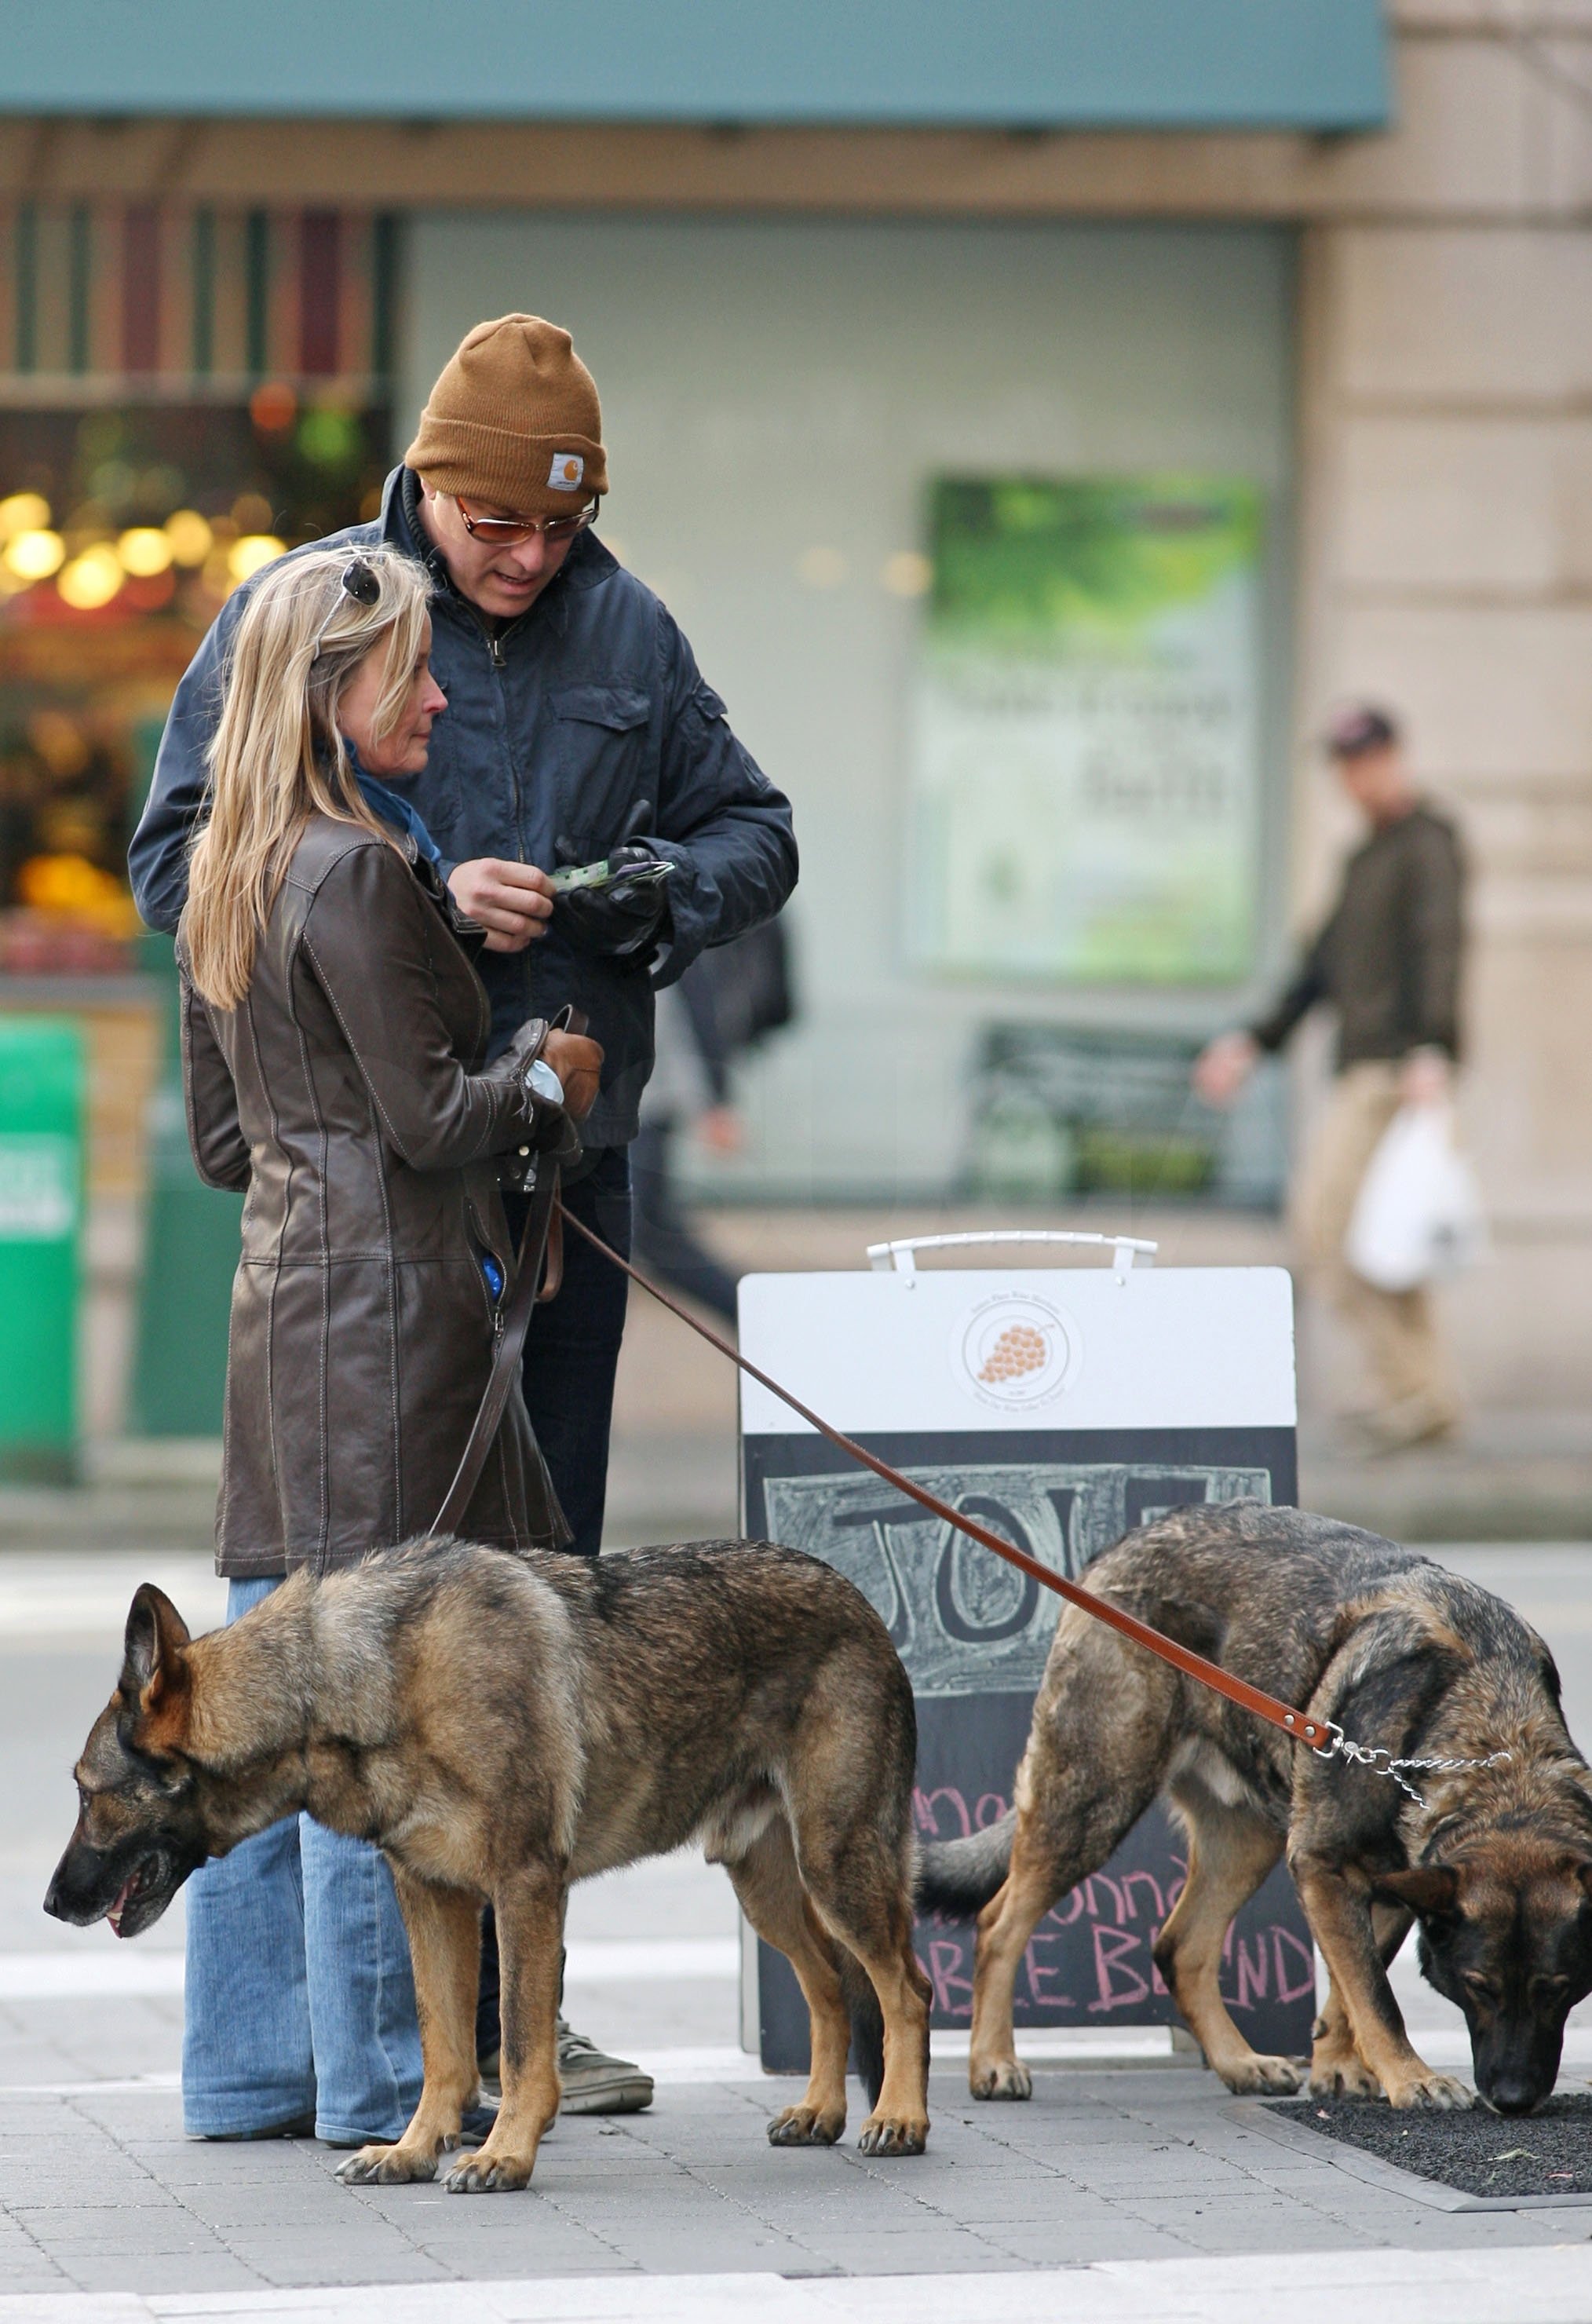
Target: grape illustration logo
{"x": 1016, "y": 1350}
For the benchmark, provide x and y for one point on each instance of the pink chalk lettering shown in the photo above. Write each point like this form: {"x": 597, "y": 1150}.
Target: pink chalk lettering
{"x": 1040, "y": 1972}
{"x": 1117, "y": 1899}
{"x": 954, "y": 1992}
{"x": 1305, "y": 1958}
{"x": 1253, "y": 1973}
{"x": 924, "y": 1808}
{"x": 1111, "y": 1950}
{"x": 1129, "y": 1879}
{"x": 992, "y": 1807}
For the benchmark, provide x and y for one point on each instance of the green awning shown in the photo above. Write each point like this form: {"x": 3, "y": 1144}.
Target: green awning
{"x": 1316, "y": 65}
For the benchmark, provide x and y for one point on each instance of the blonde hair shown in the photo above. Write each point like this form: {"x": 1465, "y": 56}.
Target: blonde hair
{"x": 277, "y": 756}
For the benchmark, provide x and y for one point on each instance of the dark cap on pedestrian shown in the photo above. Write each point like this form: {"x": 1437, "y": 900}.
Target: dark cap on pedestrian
{"x": 1356, "y": 733}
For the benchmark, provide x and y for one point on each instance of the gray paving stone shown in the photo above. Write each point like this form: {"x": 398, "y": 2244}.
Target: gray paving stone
{"x": 55, "y": 2220}
{"x": 1084, "y": 2245}
{"x": 332, "y": 2266}
{"x": 748, "y": 2250}
{"x": 1035, "y": 2202}
{"x": 166, "y": 2272}
{"x": 557, "y": 2262}
{"x": 946, "y": 2254}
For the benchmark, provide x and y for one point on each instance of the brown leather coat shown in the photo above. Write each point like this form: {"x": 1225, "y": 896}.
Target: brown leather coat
{"x": 344, "y": 1092}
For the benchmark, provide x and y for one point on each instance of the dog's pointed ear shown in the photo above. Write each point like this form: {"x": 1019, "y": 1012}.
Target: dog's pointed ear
{"x": 153, "y": 1668}
{"x": 1424, "y": 1887}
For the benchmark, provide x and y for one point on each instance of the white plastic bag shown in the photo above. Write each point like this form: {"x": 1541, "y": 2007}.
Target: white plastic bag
{"x": 1418, "y": 1216}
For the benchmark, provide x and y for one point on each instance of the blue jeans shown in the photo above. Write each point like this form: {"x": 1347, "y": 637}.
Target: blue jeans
{"x": 298, "y": 1991}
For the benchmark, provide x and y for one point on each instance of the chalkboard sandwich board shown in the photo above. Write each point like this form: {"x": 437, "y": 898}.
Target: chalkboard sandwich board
{"x": 1061, "y": 1407}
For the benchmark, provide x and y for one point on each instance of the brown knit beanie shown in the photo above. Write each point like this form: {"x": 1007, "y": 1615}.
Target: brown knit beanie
{"x": 514, "y": 420}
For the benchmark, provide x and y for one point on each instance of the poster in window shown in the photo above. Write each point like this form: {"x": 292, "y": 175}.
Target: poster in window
{"x": 1085, "y": 731}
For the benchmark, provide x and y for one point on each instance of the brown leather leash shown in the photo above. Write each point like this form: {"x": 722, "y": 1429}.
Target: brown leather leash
{"x": 536, "y": 1278}
{"x": 1323, "y": 1736}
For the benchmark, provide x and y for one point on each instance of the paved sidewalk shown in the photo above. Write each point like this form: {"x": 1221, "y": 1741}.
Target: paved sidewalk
{"x": 103, "y": 2194}
{"x": 1133, "y": 2179}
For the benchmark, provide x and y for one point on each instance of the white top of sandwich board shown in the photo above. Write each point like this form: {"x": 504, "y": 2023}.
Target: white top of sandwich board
{"x": 967, "y": 1349}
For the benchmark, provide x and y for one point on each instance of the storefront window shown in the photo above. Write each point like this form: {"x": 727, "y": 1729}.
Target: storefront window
{"x": 122, "y": 531}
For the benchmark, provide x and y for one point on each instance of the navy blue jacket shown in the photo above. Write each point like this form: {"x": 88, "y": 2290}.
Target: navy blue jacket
{"x": 583, "y": 722}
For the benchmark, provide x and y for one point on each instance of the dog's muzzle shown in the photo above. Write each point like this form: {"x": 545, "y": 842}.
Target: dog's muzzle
{"x": 131, "y": 1890}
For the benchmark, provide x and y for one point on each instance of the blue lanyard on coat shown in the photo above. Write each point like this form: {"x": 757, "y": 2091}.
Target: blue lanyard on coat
{"x": 393, "y": 810}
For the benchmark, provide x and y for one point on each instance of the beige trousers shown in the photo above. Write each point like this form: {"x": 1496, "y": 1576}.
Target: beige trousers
{"x": 1396, "y": 1329}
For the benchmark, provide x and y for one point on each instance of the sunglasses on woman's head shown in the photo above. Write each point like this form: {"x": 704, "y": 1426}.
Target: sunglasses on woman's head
{"x": 504, "y": 532}
{"x": 358, "y": 580}
{"x": 361, "y": 582}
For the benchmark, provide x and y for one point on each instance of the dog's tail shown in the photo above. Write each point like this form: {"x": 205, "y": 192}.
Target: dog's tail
{"x": 867, "y": 2023}
{"x": 961, "y": 1876}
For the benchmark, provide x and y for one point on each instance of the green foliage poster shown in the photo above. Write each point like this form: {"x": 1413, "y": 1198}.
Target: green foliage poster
{"x": 1085, "y": 745}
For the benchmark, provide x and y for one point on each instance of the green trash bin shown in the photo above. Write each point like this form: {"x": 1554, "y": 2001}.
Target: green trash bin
{"x": 41, "y": 1120}
{"x": 191, "y": 1244}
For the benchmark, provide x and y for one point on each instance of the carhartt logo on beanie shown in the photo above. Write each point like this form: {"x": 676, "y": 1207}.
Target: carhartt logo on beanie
{"x": 514, "y": 420}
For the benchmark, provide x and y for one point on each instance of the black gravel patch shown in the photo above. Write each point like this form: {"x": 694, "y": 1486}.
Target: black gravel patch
{"x": 1549, "y": 2153}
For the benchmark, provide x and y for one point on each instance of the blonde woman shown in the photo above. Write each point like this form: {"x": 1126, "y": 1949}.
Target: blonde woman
{"x": 334, "y": 1038}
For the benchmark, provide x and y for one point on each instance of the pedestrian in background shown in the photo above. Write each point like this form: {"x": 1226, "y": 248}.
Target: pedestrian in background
{"x": 1387, "y": 961}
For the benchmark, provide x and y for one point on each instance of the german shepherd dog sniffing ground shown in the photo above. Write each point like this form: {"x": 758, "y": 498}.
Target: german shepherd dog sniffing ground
{"x": 502, "y": 1726}
{"x": 1496, "y": 1863}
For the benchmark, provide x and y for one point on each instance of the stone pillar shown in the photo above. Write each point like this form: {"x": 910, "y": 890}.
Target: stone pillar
{"x": 1446, "y": 415}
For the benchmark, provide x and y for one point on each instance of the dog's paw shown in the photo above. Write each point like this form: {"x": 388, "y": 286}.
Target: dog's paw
{"x": 386, "y": 2166}
{"x": 1344, "y": 2078}
{"x": 1272, "y": 2078}
{"x": 486, "y": 2174}
{"x": 806, "y": 2125}
{"x": 1433, "y": 2093}
{"x": 883, "y": 2134}
{"x": 1000, "y": 2078}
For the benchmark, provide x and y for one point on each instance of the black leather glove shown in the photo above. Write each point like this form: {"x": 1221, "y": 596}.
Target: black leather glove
{"x": 627, "y": 913}
{"x": 548, "y": 1129}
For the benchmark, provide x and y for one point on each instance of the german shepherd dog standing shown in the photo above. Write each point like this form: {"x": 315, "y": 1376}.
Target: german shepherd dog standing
{"x": 502, "y": 1726}
{"x": 1494, "y": 1863}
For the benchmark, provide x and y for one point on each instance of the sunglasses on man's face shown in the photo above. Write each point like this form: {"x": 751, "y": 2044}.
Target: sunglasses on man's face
{"x": 504, "y": 532}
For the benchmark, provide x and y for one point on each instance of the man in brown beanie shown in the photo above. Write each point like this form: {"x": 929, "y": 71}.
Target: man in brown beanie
{"x": 579, "y": 731}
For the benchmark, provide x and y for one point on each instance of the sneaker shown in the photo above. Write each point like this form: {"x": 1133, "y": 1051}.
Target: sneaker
{"x": 595, "y": 2083}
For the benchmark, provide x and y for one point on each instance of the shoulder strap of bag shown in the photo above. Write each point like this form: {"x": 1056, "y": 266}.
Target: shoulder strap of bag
{"x": 514, "y": 1322}
{"x": 537, "y": 1272}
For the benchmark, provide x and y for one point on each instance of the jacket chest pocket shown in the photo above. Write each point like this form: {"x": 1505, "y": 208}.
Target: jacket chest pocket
{"x": 600, "y": 737}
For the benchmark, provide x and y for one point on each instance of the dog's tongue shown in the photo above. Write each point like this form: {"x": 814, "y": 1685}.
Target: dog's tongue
{"x": 115, "y": 1916}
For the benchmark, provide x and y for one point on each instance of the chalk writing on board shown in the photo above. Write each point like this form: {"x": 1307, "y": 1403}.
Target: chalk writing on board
{"x": 961, "y": 1622}
{"x": 1090, "y": 1955}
